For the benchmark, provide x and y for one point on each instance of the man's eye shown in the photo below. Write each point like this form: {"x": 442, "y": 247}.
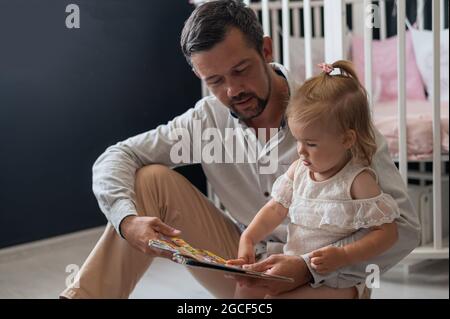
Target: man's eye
{"x": 241, "y": 70}
{"x": 311, "y": 145}
{"x": 215, "y": 82}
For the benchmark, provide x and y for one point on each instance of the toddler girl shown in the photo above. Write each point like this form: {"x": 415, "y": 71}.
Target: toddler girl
{"x": 330, "y": 191}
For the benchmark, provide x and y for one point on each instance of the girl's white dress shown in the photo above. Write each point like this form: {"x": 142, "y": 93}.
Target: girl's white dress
{"x": 323, "y": 212}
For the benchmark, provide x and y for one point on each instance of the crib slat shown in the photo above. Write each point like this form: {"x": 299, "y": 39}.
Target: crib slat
{"x": 317, "y": 22}
{"x": 403, "y": 157}
{"x": 368, "y": 52}
{"x": 420, "y": 14}
{"x": 383, "y": 23}
{"x": 358, "y": 9}
{"x": 334, "y": 30}
{"x": 205, "y": 91}
{"x": 436, "y": 100}
{"x": 275, "y": 35}
{"x": 286, "y": 32}
{"x": 265, "y": 17}
{"x": 296, "y": 22}
{"x": 308, "y": 38}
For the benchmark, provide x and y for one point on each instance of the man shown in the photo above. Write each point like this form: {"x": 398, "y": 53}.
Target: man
{"x": 141, "y": 196}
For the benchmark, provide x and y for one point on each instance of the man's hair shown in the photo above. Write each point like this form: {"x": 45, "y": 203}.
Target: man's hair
{"x": 210, "y": 22}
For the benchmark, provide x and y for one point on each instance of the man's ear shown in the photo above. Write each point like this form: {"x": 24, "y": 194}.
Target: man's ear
{"x": 349, "y": 139}
{"x": 267, "y": 49}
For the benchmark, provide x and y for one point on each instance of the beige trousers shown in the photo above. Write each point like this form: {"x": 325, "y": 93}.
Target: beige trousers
{"x": 113, "y": 268}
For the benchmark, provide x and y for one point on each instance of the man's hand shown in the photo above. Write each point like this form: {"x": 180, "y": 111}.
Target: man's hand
{"x": 138, "y": 230}
{"x": 328, "y": 259}
{"x": 283, "y": 265}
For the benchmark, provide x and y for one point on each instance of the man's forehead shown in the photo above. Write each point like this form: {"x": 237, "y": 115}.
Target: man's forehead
{"x": 224, "y": 56}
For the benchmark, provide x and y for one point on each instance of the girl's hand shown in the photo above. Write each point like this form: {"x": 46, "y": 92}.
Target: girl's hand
{"x": 328, "y": 259}
{"x": 237, "y": 262}
{"x": 246, "y": 253}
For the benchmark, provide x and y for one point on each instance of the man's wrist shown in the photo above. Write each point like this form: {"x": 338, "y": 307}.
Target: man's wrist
{"x": 308, "y": 277}
{"x": 124, "y": 224}
{"x": 309, "y": 271}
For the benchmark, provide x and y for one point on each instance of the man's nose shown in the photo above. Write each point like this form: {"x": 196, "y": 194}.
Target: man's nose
{"x": 234, "y": 90}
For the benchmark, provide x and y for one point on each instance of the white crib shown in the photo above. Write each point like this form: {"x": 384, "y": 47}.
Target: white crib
{"x": 312, "y": 19}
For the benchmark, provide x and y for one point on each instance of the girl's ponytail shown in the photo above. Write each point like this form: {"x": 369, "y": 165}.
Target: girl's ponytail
{"x": 346, "y": 68}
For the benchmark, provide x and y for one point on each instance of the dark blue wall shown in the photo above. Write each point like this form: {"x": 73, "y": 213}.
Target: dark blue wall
{"x": 67, "y": 94}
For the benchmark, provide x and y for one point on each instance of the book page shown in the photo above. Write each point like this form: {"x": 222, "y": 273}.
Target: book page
{"x": 184, "y": 253}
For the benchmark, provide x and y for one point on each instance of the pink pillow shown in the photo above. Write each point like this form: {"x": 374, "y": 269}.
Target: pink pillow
{"x": 384, "y": 78}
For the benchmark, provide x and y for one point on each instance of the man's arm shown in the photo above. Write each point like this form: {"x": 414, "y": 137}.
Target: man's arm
{"x": 114, "y": 171}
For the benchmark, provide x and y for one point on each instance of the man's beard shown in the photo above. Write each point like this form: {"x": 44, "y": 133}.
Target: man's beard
{"x": 260, "y": 106}
{"x": 253, "y": 112}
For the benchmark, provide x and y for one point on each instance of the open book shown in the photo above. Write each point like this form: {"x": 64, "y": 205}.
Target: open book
{"x": 185, "y": 254}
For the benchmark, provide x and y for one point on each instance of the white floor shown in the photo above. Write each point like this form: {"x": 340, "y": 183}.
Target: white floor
{"x": 38, "y": 270}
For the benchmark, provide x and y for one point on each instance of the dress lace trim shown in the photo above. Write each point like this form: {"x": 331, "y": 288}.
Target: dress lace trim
{"x": 347, "y": 214}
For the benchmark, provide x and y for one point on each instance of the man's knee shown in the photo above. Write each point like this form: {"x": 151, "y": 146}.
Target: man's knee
{"x": 157, "y": 177}
{"x": 151, "y": 172}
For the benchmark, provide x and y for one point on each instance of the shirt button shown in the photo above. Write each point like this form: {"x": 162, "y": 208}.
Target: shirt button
{"x": 267, "y": 194}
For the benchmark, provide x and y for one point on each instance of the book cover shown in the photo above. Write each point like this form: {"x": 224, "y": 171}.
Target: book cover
{"x": 185, "y": 254}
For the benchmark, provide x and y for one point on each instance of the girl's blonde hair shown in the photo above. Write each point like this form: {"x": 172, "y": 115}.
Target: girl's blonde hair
{"x": 338, "y": 102}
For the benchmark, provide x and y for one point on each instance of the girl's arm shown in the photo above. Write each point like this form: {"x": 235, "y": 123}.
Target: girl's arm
{"x": 379, "y": 240}
{"x": 266, "y": 220}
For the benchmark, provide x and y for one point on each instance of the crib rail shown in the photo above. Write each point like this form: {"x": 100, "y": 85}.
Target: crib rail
{"x": 436, "y": 98}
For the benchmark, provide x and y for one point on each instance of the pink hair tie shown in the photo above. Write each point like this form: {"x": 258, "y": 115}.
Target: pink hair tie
{"x": 327, "y": 68}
